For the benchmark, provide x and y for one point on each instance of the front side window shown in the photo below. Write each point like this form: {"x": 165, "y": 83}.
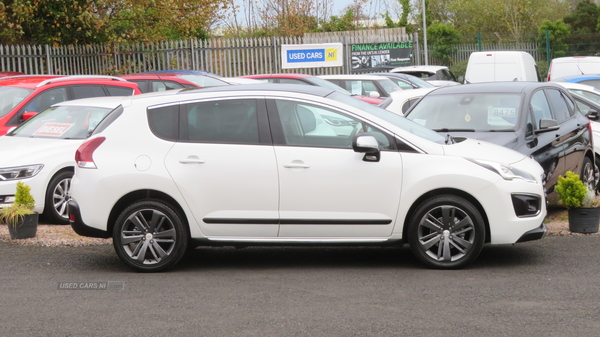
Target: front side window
{"x": 164, "y": 85}
{"x": 233, "y": 121}
{"x": 540, "y": 107}
{"x": 305, "y": 124}
{"x": 119, "y": 91}
{"x": 388, "y": 86}
{"x": 47, "y": 98}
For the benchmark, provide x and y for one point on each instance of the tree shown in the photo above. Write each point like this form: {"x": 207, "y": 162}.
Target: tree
{"x": 337, "y": 24}
{"x": 557, "y": 32}
{"x": 443, "y": 39}
{"x": 584, "y": 18}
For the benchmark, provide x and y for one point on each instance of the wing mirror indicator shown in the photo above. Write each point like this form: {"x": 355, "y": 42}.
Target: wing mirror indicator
{"x": 365, "y": 143}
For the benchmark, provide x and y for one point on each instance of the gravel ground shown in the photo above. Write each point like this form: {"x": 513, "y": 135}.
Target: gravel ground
{"x": 59, "y": 235}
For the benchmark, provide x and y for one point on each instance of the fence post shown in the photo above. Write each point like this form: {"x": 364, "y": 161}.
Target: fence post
{"x": 48, "y": 61}
{"x": 417, "y": 51}
{"x": 478, "y": 41}
{"x": 347, "y": 56}
{"x": 192, "y": 54}
{"x": 273, "y": 54}
{"x": 548, "y": 48}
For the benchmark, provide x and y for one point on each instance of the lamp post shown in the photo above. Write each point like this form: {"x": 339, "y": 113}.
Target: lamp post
{"x": 425, "y": 33}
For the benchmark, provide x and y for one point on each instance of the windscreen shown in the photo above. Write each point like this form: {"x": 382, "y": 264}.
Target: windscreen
{"x": 468, "y": 112}
{"x": 10, "y": 97}
{"x": 63, "y": 122}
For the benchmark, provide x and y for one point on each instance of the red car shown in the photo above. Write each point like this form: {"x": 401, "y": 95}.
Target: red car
{"x": 152, "y": 82}
{"x": 9, "y": 73}
{"x": 22, "y": 97}
{"x": 309, "y": 80}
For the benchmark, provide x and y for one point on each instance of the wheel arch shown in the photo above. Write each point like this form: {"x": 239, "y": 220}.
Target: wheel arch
{"x": 449, "y": 191}
{"x": 141, "y": 195}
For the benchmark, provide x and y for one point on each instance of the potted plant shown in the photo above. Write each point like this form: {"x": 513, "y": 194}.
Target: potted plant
{"x": 581, "y": 203}
{"x": 21, "y": 220}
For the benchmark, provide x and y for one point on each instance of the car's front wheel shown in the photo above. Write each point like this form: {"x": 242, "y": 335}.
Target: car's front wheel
{"x": 446, "y": 232}
{"x": 589, "y": 174}
{"x": 149, "y": 236}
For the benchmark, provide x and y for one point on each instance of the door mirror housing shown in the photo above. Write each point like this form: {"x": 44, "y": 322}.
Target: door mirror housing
{"x": 547, "y": 125}
{"x": 593, "y": 114}
{"x": 374, "y": 94}
{"x": 365, "y": 143}
{"x": 28, "y": 114}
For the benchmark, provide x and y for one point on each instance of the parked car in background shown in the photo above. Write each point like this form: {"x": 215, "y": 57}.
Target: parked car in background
{"x": 152, "y": 82}
{"x": 21, "y": 97}
{"x": 319, "y": 167}
{"x": 405, "y": 81}
{"x": 364, "y": 85}
{"x": 590, "y": 79}
{"x": 538, "y": 119}
{"x": 584, "y": 90}
{"x": 182, "y": 71}
{"x": 440, "y": 76}
{"x": 240, "y": 80}
{"x": 41, "y": 153}
{"x": 501, "y": 66}
{"x": 9, "y": 73}
{"x": 400, "y": 102}
{"x": 304, "y": 79}
{"x": 573, "y": 65}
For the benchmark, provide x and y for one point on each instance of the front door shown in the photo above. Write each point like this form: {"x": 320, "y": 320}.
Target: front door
{"x": 326, "y": 189}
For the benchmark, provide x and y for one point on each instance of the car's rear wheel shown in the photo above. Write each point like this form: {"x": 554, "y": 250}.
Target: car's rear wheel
{"x": 446, "y": 232}
{"x": 589, "y": 174}
{"x": 149, "y": 236}
{"x": 57, "y": 196}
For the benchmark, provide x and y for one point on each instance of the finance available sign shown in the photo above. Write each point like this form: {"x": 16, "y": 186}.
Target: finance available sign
{"x": 311, "y": 55}
{"x": 380, "y": 56}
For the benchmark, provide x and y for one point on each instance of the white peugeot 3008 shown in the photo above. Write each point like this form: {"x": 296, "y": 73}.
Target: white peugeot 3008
{"x": 284, "y": 164}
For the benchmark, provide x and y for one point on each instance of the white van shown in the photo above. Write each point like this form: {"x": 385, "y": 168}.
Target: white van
{"x": 501, "y": 66}
{"x": 574, "y": 65}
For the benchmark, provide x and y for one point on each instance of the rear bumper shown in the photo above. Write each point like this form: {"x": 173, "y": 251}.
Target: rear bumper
{"x": 80, "y": 227}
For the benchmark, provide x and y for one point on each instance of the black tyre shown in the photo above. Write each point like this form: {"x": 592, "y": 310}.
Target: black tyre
{"x": 149, "y": 236}
{"x": 57, "y": 196}
{"x": 446, "y": 232}
{"x": 589, "y": 174}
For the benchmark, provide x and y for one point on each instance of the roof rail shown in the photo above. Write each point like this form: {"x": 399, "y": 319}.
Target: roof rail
{"x": 66, "y": 78}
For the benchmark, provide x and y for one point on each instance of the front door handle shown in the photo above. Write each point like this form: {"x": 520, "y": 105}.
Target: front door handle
{"x": 191, "y": 160}
{"x": 296, "y": 165}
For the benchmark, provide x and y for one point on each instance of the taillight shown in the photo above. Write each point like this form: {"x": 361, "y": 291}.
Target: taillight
{"x": 84, "y": 154}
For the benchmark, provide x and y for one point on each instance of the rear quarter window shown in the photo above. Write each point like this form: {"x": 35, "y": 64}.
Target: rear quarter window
{"x": 164, "y": 122}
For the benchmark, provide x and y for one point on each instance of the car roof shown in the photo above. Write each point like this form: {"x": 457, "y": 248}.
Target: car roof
{"x": 352, "y": 77}
{"x": 101, "y": 102}
{"x": 577, "y": 78}
{"x": 143, "y": 76}
{"x": 578, "y": 86}
{"x": 406, "y": 94}
{"x": 419, "y": 68}
{"x": 181, "y": 71}
{"x": 35, "y": 81}
{"x": 279, "y": 75}
{"x": 278, "y": 87}
{"x": 497, "y": 87}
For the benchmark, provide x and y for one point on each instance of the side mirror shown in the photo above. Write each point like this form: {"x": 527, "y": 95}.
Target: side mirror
{"x": 461, "y": 79}
{"x": 28, "y": 114}
{"x": 374, "y": 94}
{"x": 365, "y": 143}
{"x": 593, "y": 114}
{"x": 547, "y": 125}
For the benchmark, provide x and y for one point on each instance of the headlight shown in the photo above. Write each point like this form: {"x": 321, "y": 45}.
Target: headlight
{"x": 505, "y": 171}
{"x": 19, "y": 172}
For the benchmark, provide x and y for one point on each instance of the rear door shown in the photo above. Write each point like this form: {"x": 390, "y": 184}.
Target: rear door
{"x": 225, "y": 168}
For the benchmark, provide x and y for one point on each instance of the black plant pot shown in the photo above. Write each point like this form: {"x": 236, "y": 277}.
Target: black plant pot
{"x": 584, "y": 219}
{"x": 26, "y": 228}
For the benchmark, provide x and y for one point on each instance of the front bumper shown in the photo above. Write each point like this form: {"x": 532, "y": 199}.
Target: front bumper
{"x": 534, "y": 234}
{"x": 80, "y": 227}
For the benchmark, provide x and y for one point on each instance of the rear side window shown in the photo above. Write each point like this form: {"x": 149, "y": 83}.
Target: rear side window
{"x": 164, "y": 122}
{"x": 233, "y": 121}
{"x": 85, "y": 91}
{"x": 559, "y": 104}
{"x": 119, "y": 91}
{"x": 164, "y": 85}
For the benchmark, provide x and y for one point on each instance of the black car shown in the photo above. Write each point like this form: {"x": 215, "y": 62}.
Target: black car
{"x": 405, "y": 81}
{"x": 539, "y": 119}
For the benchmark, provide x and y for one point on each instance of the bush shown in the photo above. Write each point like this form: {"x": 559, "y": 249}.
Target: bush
{"x": 571, "y": 190}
